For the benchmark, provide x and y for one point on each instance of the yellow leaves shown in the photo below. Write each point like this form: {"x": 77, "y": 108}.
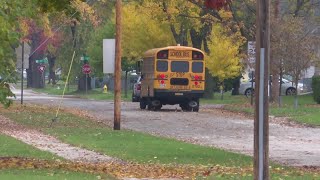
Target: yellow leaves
{"x": 142, "y": 31}
{"x": 86, "y": 11}
{"x": 224, "y": 60}
{"x": 225, "y": 15}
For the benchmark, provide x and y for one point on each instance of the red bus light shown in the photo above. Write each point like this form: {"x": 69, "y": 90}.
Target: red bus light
{"x": 162, "y": 76}
{"x": 163, "y": 54}
{"x": 196, "y": 83}
{"x": 196, "y": 55}
{"x": 162, "y": 81}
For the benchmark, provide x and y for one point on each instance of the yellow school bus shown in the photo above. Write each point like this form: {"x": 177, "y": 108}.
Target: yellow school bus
{"x": 172, "y": 75}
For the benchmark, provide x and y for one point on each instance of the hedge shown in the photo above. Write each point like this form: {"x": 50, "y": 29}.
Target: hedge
{"x": 316, "y": 88}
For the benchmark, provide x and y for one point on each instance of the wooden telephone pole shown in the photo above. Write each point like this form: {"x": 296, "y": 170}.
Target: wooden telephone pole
{"x": 117, "y": 73}
{"x": 261, "y": 120}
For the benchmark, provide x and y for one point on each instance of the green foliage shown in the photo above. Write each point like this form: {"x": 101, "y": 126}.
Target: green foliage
{"x": 57, "y": 6}
{"x": 316, "y": 88}
{"x": 10, "y": 11}
{"x": 4, "y": 93}
{"x": 94, "y": 47}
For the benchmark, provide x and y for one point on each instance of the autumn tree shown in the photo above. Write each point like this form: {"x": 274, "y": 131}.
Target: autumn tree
{"x": 223, "y": 61}
{"x": 10, "y": 33}
{"x": 296, "y": 48}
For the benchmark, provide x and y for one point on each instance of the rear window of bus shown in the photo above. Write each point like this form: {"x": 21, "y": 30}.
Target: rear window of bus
{"x": 162, "y": 66}
{"x": 180, "y": 66}
{"x": 197, "y": 67}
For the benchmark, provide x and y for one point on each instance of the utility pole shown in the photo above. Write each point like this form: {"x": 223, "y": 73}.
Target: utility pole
{"x": 117, "y": 73}
{"x": 261, "y": 119}
{"x": 22, "y": 67}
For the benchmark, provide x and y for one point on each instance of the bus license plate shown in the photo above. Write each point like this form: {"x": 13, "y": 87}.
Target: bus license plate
{"x": 178, "y": 94}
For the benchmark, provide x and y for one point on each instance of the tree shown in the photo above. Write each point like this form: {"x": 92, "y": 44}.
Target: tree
{"x": 142, "y": 30}
{"x": 223, "y": 61}
{"x": 10, "y": 32}
{"x": 294, "y": 47}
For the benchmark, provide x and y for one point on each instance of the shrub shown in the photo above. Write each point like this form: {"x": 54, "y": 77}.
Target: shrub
{"x": 316, "y": 88}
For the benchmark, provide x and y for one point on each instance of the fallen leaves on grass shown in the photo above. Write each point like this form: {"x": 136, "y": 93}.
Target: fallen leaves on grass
{"x": 123, "y": 169}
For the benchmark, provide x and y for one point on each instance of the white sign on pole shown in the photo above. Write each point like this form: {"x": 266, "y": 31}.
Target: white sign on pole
{"x": 251, "y": 52}
{"x": 27, "y": 51}
{"x": 109, "y": 49}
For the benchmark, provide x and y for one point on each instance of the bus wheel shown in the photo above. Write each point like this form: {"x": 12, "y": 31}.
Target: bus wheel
{"x": 157, "y": 107}
{"x": 143, "y": 104}
{"x": 193, "y": 105}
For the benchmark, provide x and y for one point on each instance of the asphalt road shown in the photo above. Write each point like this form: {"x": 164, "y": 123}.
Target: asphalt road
{"x": 211, "y": 126}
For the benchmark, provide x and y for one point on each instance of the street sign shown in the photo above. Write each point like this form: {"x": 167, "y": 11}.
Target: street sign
{"x": 41, "y": 68}
{"x": 109, "y": 49}
{"x": 42, "y": 61}
{"x": 251, "y": 52}
{"x": 85, "y": 58}
{"x": 86, "y": 69}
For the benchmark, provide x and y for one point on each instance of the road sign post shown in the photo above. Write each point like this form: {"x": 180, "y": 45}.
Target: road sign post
{"x": 86, "y": 69}
{"x": 41, "y": 69}
{"x": 22, "y": 68}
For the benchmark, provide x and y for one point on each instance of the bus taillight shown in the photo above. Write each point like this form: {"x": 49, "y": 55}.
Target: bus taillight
{"x": 196, "y": 55}
{"x": 163, "y": 54}
{"x": 161, "y": 76}
{"x": 162, "y": 81}
{"x": 196, "y": 83}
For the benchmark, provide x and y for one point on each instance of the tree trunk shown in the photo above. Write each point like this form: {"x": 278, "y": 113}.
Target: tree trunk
{"x": 52, "y": 74}
{"x": 35, "y": 78}
{"x": 236, "y": 86}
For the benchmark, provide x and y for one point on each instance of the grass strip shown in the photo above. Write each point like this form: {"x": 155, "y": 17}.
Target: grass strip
{"x": 48, "y": 174}
{"x": 124, "y": 144}
{"x": 307, "y": 111}
{"x": 147, "y": 149}
{"x": 11, "y": 147}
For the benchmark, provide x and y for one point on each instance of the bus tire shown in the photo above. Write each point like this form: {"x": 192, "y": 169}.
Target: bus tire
{"x": 143, "y": 104}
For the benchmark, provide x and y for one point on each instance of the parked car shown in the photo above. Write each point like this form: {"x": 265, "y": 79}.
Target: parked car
{"x": 287, "y": 88}
{"x": 136, "y": 90}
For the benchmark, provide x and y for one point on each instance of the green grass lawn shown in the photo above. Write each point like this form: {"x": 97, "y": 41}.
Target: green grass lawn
{"x": 137, "y": 147}
{"x": 226, "y": 99}
{"x": 307, "y": 111}
{"x": 289, "y": 175}
{"x": 124, "y": 144}
{"x": 47, "y": 174}
{"x": 96, "y": 94}
{"x": 11, "y": 147}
